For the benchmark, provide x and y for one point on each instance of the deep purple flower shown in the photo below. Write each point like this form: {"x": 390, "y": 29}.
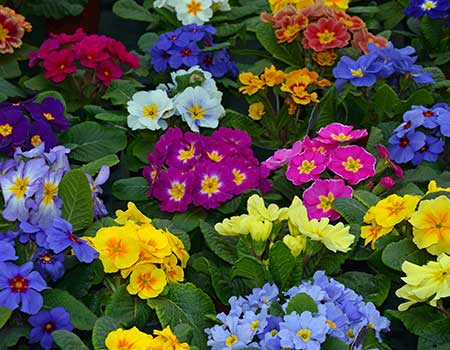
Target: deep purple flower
{"x": 41, "y": 132}
{"x": 174, "y": 189}
{"x": 61, "y": 237}
{"x": 216, "y": 62}
{"x": 185, "y": 55}
{"x": 49, "y": 263}
{"x": 45, "y": 323}
{"x": 20, "y": 284}
{"x": 430, "y": 151}
{"x": 14, "y": 128}
{"x": 102, "y": 177}
{"x": 433, "y": 8}
{"x": 402, "y": 149}
{"x": 167, "y": 40}
{"x": 50, "y": 111}
{"x": 159, "y": 58}
{"x": 362, "y": 72}
{"x": 185, "y": 153}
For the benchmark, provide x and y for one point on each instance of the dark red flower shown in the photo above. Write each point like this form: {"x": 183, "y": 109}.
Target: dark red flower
{"x": 108, "y": 71}
{"x": 64, "y": 38}
{"x": 59, "y": 64}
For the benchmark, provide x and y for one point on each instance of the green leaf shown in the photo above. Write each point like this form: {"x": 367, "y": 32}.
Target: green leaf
{"x": 147, "y": 40}
{"x": 371, "y": 288}
{"x": 39, "y": 83}
{"x": 90, "y": 141}
{"x": 333, "y": 344}
{"x": 11, "y": 336}
{"x": 282, "y": 266}
{"x": 300, "y": 303}
{"x": 185, "y": 303}
{"x": 85, "y": 275}
{"x": 131, "y": 189}
{"x": 129, "y": 9}
{"x": 76, "y": 194}
{"x": 106, "y": 221}
{"x": 103, "y": 326}
{"x": 68, "y": 341}
{"x": 121, "y": 91}
{"x": 9, "y": 67}
{"x": 81, "y": 317}
{"x": 111, "y": 117}
{"x": 183, "y": 332}
{"x": 128, "y": 309}
{"x": 323, "y": 113}
{"x": 223, "y": 247}
{"x": 4, "y": 315}
{"x": 418, "y": 97}
{"x": 386, "y": 101}
{"x": 375, "y": 138}
{"x": 93, "y": 168}
{"x": 251, "y": 268}
{"x": 363, "y": 9}
{"x": 233, "y": 119}
{"x": 435, "y": 335}
{"x": 10, "y": 90}
{"x": 365, "y": 197}
{"x": 190, "y": 219}
{"x": 422, "y": 173}
{"x": 57, "y": 9}
{"x": 350, "y": 209}
{"x": 416, "y": 318}
{"x": 398, "y": 252}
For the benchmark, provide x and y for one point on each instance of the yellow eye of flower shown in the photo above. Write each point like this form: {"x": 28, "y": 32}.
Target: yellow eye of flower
{"x": 210, "y": 185}
{"x": 306, "y": 167}
{"x": 50, "y": 191}
{"x": 239, "y": 177}
{"x": 36, "y": 140}
{"x": 20, "y": 187}
{"x": 305, "y": 334}
{"x": 185, "y": 155}
{"x": 326, "y": 37}
{"x": 326, "y": 202}
{"x": 48, "y": 116}
{"x": 231, "y": 340}
{"x": 196, "y": 112}
{"x": 194, "y": 7}
{"x": 177, "y": 191}
{"x": 150, "y": 111}
{"x": 352, "y": 165}
{"x": 6, "y": 129}
{"x": 357, "y": 72}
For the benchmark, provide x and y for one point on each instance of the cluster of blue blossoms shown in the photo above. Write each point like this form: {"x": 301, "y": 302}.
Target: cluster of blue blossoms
{"x": 185, "y": 47}
{"x": 380, "y": 63}
{"x": 419, "y": 137}
{"x": 342, "y": 314}
{"x": 435, "y": 9}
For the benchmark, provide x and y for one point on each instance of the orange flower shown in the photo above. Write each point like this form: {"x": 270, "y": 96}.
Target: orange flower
{"x": 291, "y": 27}
{"x": 325, "y": 58}
{"x": 325, "y": 34}
{"x": 272, "y": 76}
{"x": 292, "y": 105}
{"x": 252, "y": 83}
{"x": 352, "y": 23}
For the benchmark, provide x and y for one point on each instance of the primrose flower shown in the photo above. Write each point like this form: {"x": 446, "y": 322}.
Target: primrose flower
{"x": 256, "y": 111}
{"x": 169, "y": 339}
{"x": 403, "y": 149}
{"x": 147, "y": 281}
{"x": 306, "y": 166}
{"x": 431, "y": 225}
{"x": 154, "y": 244}
{"x": 49, "y": 263}
{"x": 339, "y": 133}
{"x": 14, "y": 127}
{"x": 194, "y": 11}
{"x": 132, "y": 214}
{"x": 50, "y": 111}
{"x": 296, "y": 244}
{"x": 234, "y": 226}
{"x": 59, "y": 64}
{"x": 13, "y": 28}
{"x": 251, "y": 83}
{"x": 432, "y": 8}
{"x": 130, "y": 339}
{"x": 174, "y": 190}
{"x": 373, "y": 232}
{"x": 272, "y": 76}
{"x": 325, "y": 34}
{"x": 430, "y": 151}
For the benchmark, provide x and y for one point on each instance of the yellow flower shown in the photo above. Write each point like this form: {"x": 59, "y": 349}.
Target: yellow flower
{"x": 296, "y": 244}
{"x": 430, "y": 282}
{"x": 256, "y": 110}
{"x": 118, "y": 247}
{"x": 174, "y": 272}
{"x": 297, "y": 216}
{"x": 133, "y": 214}
{"x": 337, "y": 4}
{"x": 433, "y": 187}
{"x": 170, "y": 340}
{"x": 252, "y": 83}
{"x": 276, "y": 5}
{"x": 234, "y": 226}
{"x": 431, "y": 225}
{"x": 259, "y": 229}
{"x": 257, "y": 208}
{"x": 373, "y": 232}
{"x": 392, "y": 210}
{"x": 325, "y": 58}
{"x": 272, "y": 76}
{"x": 147, "y": 281}
{"x": 154, "y": 244}
{"x": 177, "y": 248}
{"x": 130, "y": 339}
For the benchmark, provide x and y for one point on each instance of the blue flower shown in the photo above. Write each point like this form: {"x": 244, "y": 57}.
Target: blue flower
{"x": 34, "y": 232}
{"x": 57, "y": 158}
{"x": 45, "y": 323}
{"x": 443, "y": 118}
{"x": 49, "y": 263}
{"x": 269, "y": 337}
{"x": 186, "y": 55}
{"x": 333, "y": 289}
{"x": 61, "y": 237}
{"x": 197, "y": 32}
{"x": 336, "y": 319}
{"x": 232, "y": 335}
{"x": 102, "y": 177}
{"x": 20, "y": 284}
{"x": 160, "y": 59}
{"x": 315, "y": 292}
{"x": 430, "y": 151}
{"x": 167, "y": 40}
{"x": 424, "y": 116}
{"x": 263, "y": 296}
{"x": 433, "y": 8}
{"x": 362, "y": 72}
{"x": 402, "y": 149}
{"x": 8, "y": 250}
{"x": 374, "y": 319}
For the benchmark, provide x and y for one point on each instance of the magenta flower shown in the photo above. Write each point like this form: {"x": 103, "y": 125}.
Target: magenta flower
{"x": 352, "y": 163}
{"x": 339, "y": 133}
{"x": 387, "y": 182}
{"x": 90, "y": 54}
{"x": 107, "y": 71}
{"x": 306, "y": 166}
{"x": 282, "y": 156}
{"x": 152, "y": 171}
{"x": 212, "y": 186}
{"x": 238, "y": 141}
{"x": 59, "y": 64}
{"x": 384, "y": 154}
{"x": 186, "y": 152}
{"x": 173, "y": 189}
{"x": 165, "y": 142}
{"x": 319, "y": 197}
{"x": 214, "y": 150}
{"x": 64, "y": 38}
{"x": 245, "y": 175}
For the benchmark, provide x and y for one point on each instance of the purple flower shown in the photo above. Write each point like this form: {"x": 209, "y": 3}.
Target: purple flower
{"x": 443, "y": 119}
{"x": 57, "y": 158}
{"x": 245, "y": 174}
{"x": 263, "y": 297}
{"x": 60, "y": 237}
{"x": 34, "y": 232}
{"x": 173, "y": 189}
{"x": 49, "y": 111}
{"x": 41, "y": 132}
{"x": 8, "y": 251}
{"x": 430, "y": 151}
{"x": 362, "y": 72}
{"x": 233, "y": 334}
{"x": 168, "y": 40}
{"x": 102, "y": 177}
{"x": 19, "y": 284}
{"x": 374, "y": 319}
{"x": 402, "y": 149}
{"x": 14, "y": 128}
{"x": 160, "y": 59}
{"x": 45, "y": 323}
{"x": 185, "y": 55}
{"x": 433, "y": 8}
{"x": 185, "y": 153}
{"x": 217, "y": 62}
{"x": 197, "y": 32}
{"x": 49, "y": 263}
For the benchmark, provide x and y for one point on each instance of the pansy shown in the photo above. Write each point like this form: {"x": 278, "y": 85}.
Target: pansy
{"x": 339, "y": 133}
{"x": 147, "y": 109}
{"x": 174, "y": 190}
{"x": 306, "y": 166}
{"x": 403, "y": 149}
{"x": 352, "y": 163}
{"x": 325, "y": 34}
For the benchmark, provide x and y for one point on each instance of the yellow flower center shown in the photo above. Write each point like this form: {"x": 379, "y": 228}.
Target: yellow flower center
{"x": 48, "y": 116}
{"x": 340, "y": 137}
{"x": 196, "y": 112}
{"x": 210, "y": 185}
{"x": 36, "y": 140}
{"x": 215, "y": 156}
{"x": 145, "y": 280}
{"x": 292, "y": 30}
{"x": 326, "y": 37}
{"x": 273, "y": 332}
{"x": 350, "y": 334}
{"x": 395, "y": 208}
{"x": 305, "y": 334}
{"x": 6, "y": 130}
{"x": 331, "y": 324}
{"x": 428, "y": 5}
{"x": 238, "y": 177}
{"x": 187, "y": 154}
{"x": 115, "y": 248}
{"x": 50, "y": 191}
{"x": 20, "y": 187}
{"x": 254, "y": 325}
{"x": 3, "y": 33}
{"x": 150, "y": 111}
{"x": 231, "y": 340}
{"x": 306, "y": 167}
{"x": 177, "y": 191}
{"x": 123, "y": 344}
{"x": 357, "y": 72}
{"x": 352, "y": 165}
{"x": 194, "y": 7}
{"x": 326, "y": 202}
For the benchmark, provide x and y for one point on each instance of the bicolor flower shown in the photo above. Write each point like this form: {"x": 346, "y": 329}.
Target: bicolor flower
{"x": 340, "y": 133}
{"x": 174, "y": 190}
{"x": 102, "y": 177}
{"x": 325, "y": 34}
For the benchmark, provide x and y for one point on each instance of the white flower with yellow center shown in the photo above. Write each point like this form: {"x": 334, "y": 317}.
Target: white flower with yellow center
{"x": 221, "y": 5}
{"x": 148, "y": 109}
{"x": 208, "y": 82}
{"x": 198, "y": 109}
{"x": 194, "y": 11}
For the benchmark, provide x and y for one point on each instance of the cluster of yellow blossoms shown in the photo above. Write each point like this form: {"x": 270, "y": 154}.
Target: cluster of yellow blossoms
{"x": 430, "y": 222}
{"x": 134, "y": 339}
{"x": 276, "y": 5}
{"x": 151, "y": 257}
{"x": 263, "y": 222}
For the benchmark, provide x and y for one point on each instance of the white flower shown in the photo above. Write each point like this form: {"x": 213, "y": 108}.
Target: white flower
{"x": 197, "y": 108}
{"x": 194, "y": 11}
{"x": 221, "y": 5}
{"x": 148, "y": 108}
{"x": 170, "y": 4}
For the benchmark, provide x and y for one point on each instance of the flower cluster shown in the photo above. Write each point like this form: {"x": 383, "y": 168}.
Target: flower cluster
{"x": 338, "y": 313}
{"x": 427, "y": 283}
{"x": 419, "y": 137}
{"x": 434, "y": 9}
{"x": 263, "y": 223}
{"x": 30, "y": 181}
{"x": 380, "y": 63}
{"x": 322, "y": 27}
{"x": 151, "y": 257}
{"x": 192, "y": 95}
{"x": 206, "y": 171}
{"x": 134, "y": 339}
{"x": 63, "y": 54}
{"x": 186, "y": 47}
{"x": 27, "y": 124}
{"x": 193, "y": 11}
{"x": 12, "y": 29}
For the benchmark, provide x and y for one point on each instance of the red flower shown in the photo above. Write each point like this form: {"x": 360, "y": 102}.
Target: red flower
{"x": 64, "y": 38}
{"x": 11, "y": 33}
{"x": 59, "y": 64}
{"x": 291, "y": 27}
{"x": 47, "y": 47}
{"x": 90, "y": 55}
{"x": 362, "y": 38}
{"x": 352, "y": 23}
{"x": 119, "y": 51}
{"x": 108, "y": 71}
{"x": 325, "y": 34}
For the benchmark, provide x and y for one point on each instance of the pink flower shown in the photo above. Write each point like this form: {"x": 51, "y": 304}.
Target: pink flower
{"x": 282, "y": 156}
{"x": 185, "y": 152}
{"x": 64, "y": 38}
{"x": 59, "y": 64}
{"x": 319, "y": 197}
{"x": 90, "y": 54}
{"x": 306, "y": 166}
{"x": 173, "y": 189}
{"x": 107, "y": 71}
{"x": 119, "y": 51}
{"x": 352, "y": 163}
{"x": 339, "y": 133}
{"x": 245, "y": 175}
{"x": 47, "y": 47}
{"x": 325, "y": 34}
{"x": 387, "y": 182}
{"x": 384, "y": 154}
{"x": 152, "y": 171}
{"x": 164, "y": 143}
